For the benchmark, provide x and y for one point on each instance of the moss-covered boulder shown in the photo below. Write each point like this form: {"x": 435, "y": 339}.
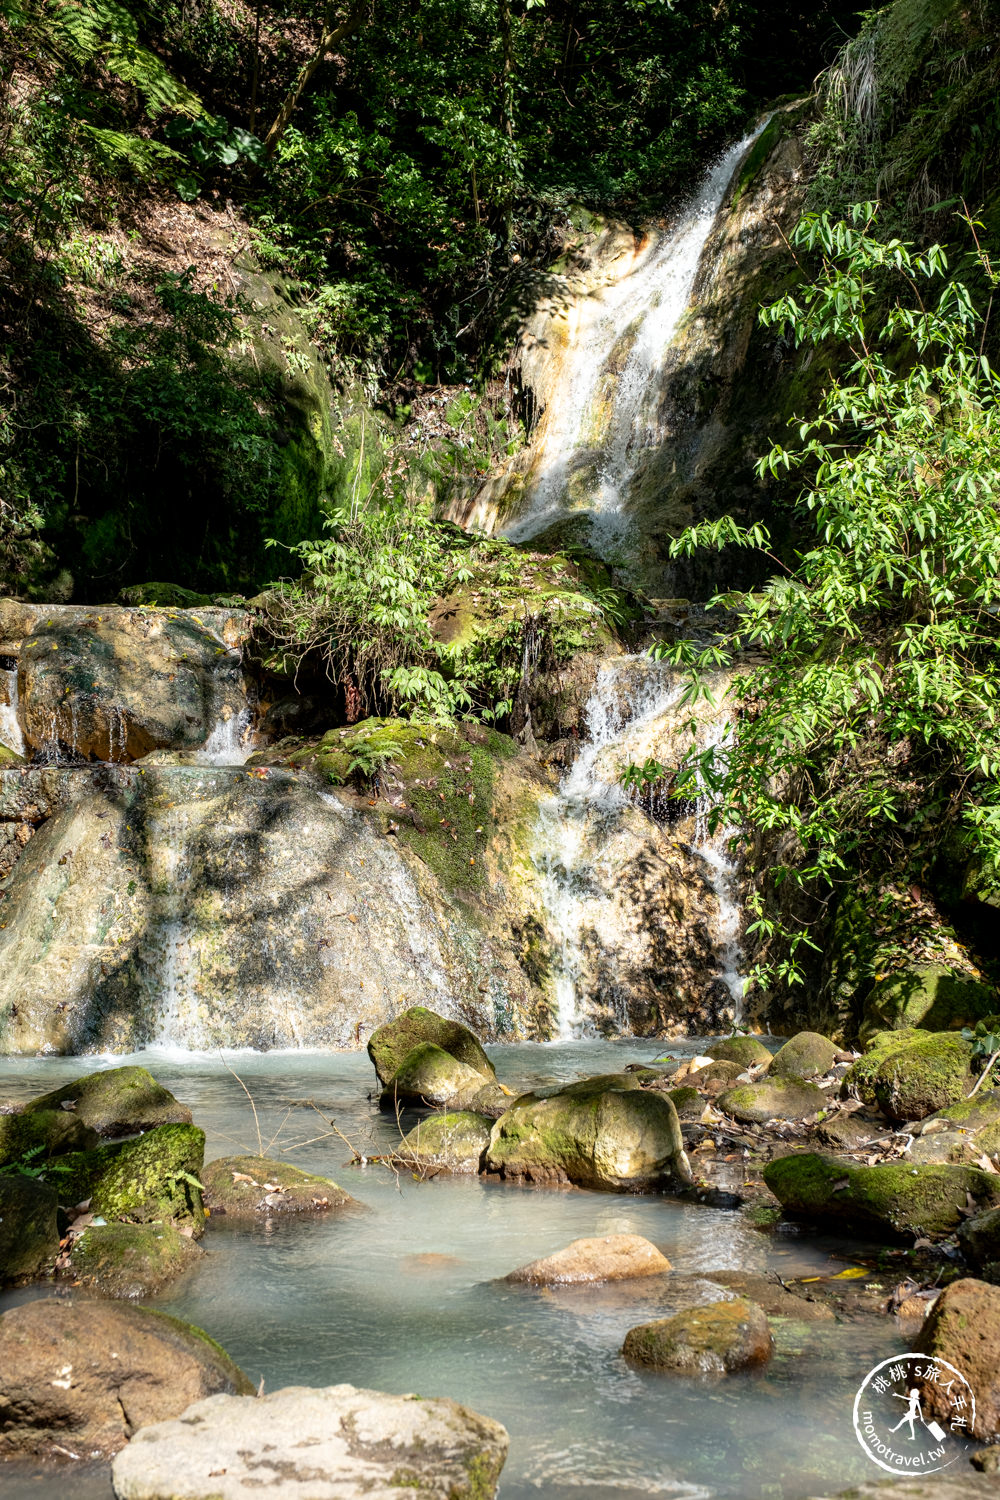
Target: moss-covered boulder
{"x": 250, "y": 1187}
{"x": 979, "y": 1238}
{"x": 453, "y": 1142}
{"x": 118, "y": 1101}
{"x": 961, "y": 1132}
{"x": 927, "y": 1074}
{"x": 686, "y": 1101}
{"x": 130, "y": 1261}
{"x": 390, "y": 1045}
{"x": 29, "y": 1233}
{"x": 780, "y": 1099}
{"x": 44, "y": 1133}
{"x": 745, "y": 1050}
{"x": 890, "y": 1201}
{"x": 963, "y": 1328}
{"x": 929, "y": 995}
{"x": 722, "y": 1071}
{"x": 714, "y": 1339}
{"x": 143, "y": 1181}
{"x": 601, "y": 1132}
{"x": 807, "y": 1055}
{"x": 430, "y": 1076}
{"x": 859, "y": 1080}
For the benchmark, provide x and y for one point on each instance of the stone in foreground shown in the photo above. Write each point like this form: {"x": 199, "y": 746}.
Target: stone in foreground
{"x": 963, "y": 1327}
{"x": 118, "y": 1101}
{"x": 335, "y": 1443}
{"x": 714, "y": 1339}
{"x": 389, "y": 1045}
{"x": 611, "y": 1257}
{"x": 78, "y": 1379}
{"x": 248, "y": 1187}
{"x": 453, "y": 1142}
{"x": 891, "y": 1201}
{"x": 782, "y": 1099}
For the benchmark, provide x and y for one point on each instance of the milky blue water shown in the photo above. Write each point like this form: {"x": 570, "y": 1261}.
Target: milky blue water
{"x": 404, "y": 1297}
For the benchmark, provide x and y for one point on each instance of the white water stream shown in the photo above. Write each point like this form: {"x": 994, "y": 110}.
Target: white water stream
{"x": 10, "y": 724}
{"x": 607, "y": 408}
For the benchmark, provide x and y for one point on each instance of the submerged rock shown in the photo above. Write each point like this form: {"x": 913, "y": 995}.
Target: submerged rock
{"x": 130, "y": 1260}
{"x": 141, "y": 1181}
{"x": 118, "y": 1101}
{"x": 745, "y": 1050}
{"x": 780, "y": 1099}
{"x": 612, "y": 1257}
{"x": 807, "y": 1055}
{"x": 45, "y": 1133}
{"x": 29, "y": 1233}
{"x": 77, "y": 1379}
{"x": 713, "y": 1339}
{"x": 893, "y": 1200}
{"x": 453, "y": 1142}
{"x": 390, "y": 1045}
{"x": 963, "y": 1327}
{"x": 602, "y": 1132}
{"x": 254, "y": 1186}
{"x": 334, "y": 1443}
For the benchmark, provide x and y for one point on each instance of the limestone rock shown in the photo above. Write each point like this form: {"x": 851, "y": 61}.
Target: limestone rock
{"x": 130, "y": 1260}
{"x": 774, "y": 1299}
{"x": 45, "y": 1132}
{"x": 807, "y": 1055}
{"x": 453, "y": 1142}
{"x": 601, "y": 1132}
{"x": 891, "y": 1200}
{"x": 118, "y": 1101}
{"x": 612, "y": 1257}
{"x": 780, "y": 1099}
{"x": 141, "y": 1181}
{"x": 29, "y": 1234}
{"x": 251, "y": 1187}
{"x": 745, "y": 1050}
{"x": 390, "y": 1045}
{"x": 334, "y": 1443}
{"x": 964, "y": 1328}
{"x": 80, "y": 1377}
{"x": 713, "y": 1339}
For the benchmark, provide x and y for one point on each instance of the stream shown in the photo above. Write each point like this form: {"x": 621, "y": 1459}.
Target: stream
{"x": 404, "y": 1297}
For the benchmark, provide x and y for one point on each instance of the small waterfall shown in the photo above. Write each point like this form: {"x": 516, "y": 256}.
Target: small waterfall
{"x": 631, "y": 714}
{"x": 230, "y": 740}
{"x": 608, "y": 411}
{"x": 10, "y": 724}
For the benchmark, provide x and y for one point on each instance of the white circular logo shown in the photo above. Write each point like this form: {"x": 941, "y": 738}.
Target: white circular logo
{"x": 914, "y": 1413}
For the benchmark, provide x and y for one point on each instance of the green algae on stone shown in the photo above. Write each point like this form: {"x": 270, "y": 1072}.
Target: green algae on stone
{"x": 130, "y": 1260}
{"x": 389, "y": 1045}
{"x": 29, "y": 1233}
{"x": 780, "y": 1099}
{"x": 892, "y": 1200}
{"x": 687, "y": 1101}
{"x": 429, "y": 1075}
{"x": 932, "y": 996}
{"x": 745, "y": 1050}
{"x": 929, "y": 1073}
{"x": 118, "y": 1101}
{"x": 10, "y": 758}
{"x": 141, "y": 1181}
{"x": 713, "y": 1339}
{"x": 255, "y": 1186}
{"x": 806, "y": 1055}
{"x": 43, "y": 1133}
{"x": 453, "y": 1142}
{"x": 859, "y": 1080}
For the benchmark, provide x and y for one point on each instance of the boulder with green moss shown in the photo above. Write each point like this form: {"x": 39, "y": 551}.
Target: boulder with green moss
{"x": 389, "y": 1045}
{"x": 859, "y": 1080}
{"x": 780, "y": 1099}
{"x": 979, "y": 1238}
{"x": 686, "y": 1101}
{"x": 429, "y": 1076}
{"x": 927, "y": 1074}
{"x": 715, "y": 1338}
{"x": 722, "y": 1071}
{"x": 806, "y": 1055}
{"x": 931, "y": 995}
{"x": 602, "y": 1132}
{"x": 29, "y": 1232}
{"x": 117, "y": 1101}
{"x": 891, "y": 1201}
{"x": 961, "y": 1132}
{"x": 130, "y": 1261}
{"x": 745, "y": 1050}
{"x": 141, "y": 1181}
{"x": 250, "y": 1187}
{"x": 452, "y": 1142}
{"x": 43, "y": 1133}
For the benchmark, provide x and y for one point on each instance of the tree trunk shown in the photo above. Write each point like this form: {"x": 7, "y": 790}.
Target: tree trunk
{"x": 332, "y": 34}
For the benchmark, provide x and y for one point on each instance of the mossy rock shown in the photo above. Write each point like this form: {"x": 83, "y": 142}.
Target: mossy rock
{"x": 251, "y": 1187}
{"x": 978, "y": 1113}
{"x": 859, "y": 1080}
{"x": 745, "y": 1050}
{"x": 454, "y": 1142}
{"x": 118, "y": 1101}
{"x": 807, "y": 1055}
{"x": 782, "y": 1099}
{"x": 130, "y": 1261}
{"x": 713, "y": 1339}
{"x": 163, "y": 596}
{"x": 979, "y": 1238}
{"x": 929, "y": 995}
{"x": 389, "y": 1045}
{"x": 723, "y": 1070}
{"x": 10, "y": 758}
{"x": 44, "y": 1133}
{"x": 29, "y": 1233}
{"x": 929, "y": 1073}
{"x": 138, "y": 1182}
{"x": 891, "y": 1201}
{"x": 687, "y": 1101}
{"x": 429, "y": 1076}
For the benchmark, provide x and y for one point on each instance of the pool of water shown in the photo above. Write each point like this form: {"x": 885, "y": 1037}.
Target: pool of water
{"x": 404, "y": 1296}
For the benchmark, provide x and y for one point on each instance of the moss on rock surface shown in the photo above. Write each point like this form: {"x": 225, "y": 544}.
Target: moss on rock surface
{"x": 44, "y": 1133}
{"x": 143, "y": 1181}
{"x": 859, "y": 1080}
{"x": 389, "y": 1046}
{"x": 118, "y": 1101}
{"x": 714, "y": 1339}
{"x": 893, "y": 1200}
{"x": 255, "y": 1187}
{"x": 29, "y": 1234}
{"x": 927, "y": 1074}
{"x": 452, "y": 1142}
{"x": 745, "y": 1050}
{"x": 929, "y": 995}
{"x": 782, "y": 1099}
{"x": 130, "y": 1260}
{"x": 807, "y": 1055}
{"x": 430, "y": 1076}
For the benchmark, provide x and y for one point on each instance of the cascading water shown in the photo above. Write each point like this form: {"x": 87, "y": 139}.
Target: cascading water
{"x": 230, "y": 740}
{"x": 10, "y": 724}
{"x": 607, "y": 410}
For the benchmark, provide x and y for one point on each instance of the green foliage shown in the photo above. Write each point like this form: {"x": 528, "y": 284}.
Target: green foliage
{"x": 872, "y": 726}
{"x": 985, "y": 1039}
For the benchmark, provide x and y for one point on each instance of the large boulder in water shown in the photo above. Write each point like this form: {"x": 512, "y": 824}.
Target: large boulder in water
{"x": 602, "y": 1132}
{"x": 129, "y": 1261}
{"x": 251, "y": 1187}
{"x": 893, "y": 1200}
{"x": 300, "y": 1443}
{"x": 610, "y": 1257}
{"x": 43, "y": 1133}
{"x": 118, "y": 1101}
{"x": 430, "y": 1076}
{"x": 143, "y": 1181}
{"x": 29, "y": 1233}
{"x": 712, "y": 1339}
{"x": 963, "y": 1327}
{"x": 390, "y": 1045}
{"x": 452, "y": 1142}
{"x": 78, "y": 1379}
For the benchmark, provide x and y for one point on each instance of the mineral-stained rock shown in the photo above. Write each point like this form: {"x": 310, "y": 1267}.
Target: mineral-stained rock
{"x": 333, "y": 1443}
{"x": 713, "y": 1339}
{"x": 964, "y": 1329}
{"x": 611, "y": 1257}
{"x": 118, "y": 1101}
{"x": 892, "y": 1200}
{"x": 29, "y": 1235}
{"x": 453, "y": 1142}
{"x": 807, "y": 1055}
{"x": 78, "y": 1378}
{"x": 390, "y": 1045}
{"x": 251, "y": 1187}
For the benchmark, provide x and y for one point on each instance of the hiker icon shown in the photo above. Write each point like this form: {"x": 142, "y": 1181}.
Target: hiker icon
{"x": 914, "y": 1414}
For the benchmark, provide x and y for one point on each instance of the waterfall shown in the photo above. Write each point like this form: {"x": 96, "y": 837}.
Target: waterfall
{"x": 10, "y": 724}
{"x": 633, "y": 712}
{"x": 229, "y": 741}
{"x": 607, "y": 411}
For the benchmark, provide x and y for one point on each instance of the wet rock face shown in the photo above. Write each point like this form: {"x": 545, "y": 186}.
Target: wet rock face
{"x": 389, "y": 1046}
{"x": 713, "y": 1339}
{"x": 112, "y": 684}
{"x": 332, "y": 1443}
{"x": 77, "y": 1379}
{"x": 964, "y": 1328}
{"x": 452, "y": 1142}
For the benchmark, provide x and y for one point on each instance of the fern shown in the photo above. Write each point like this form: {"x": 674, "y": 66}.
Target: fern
{"x": 117, "y": 149}
{"x": 103, "y": 31}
